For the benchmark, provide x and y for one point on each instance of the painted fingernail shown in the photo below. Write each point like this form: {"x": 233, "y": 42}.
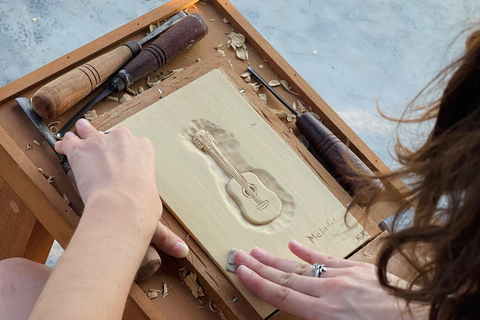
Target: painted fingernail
{"x": 295, "y": 243}
{"x": 181, "y": 249}
{"x": 82, "y": 123}
{"x": 259, "y": 253}
{"x": 244, "y": 271}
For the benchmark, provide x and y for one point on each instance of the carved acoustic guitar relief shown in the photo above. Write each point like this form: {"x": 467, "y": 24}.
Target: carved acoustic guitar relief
{"x": 258, "y": 204}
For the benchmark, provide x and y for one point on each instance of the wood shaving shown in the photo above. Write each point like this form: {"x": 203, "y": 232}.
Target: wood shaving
{"x": 140, "y": 90}
{"x": 241, "y": 53}
{"x": 301, "y": 107}
{"x": 260, "y": 66}
{"x": 34, "y": 19}
{"x": 67, "y": 200}
{"x": 211, "y": 20}
{"x": 246, "y": 74}
{"x": 125, "y": 98}
{"x": 288, "y": 87}
{"x": 279, "y": 113}
{"x": 192, "y": 284}
{"x": 198, "y": 59}
{"x": 221, "y": 52}
{"x": 213, "y": 307}
{"x": 188, "y": 237}
{"x": 199, "y": 307}
{"x": 177, "y": 70}
{"x": 290, "y": 117}
{"x": 165, "y": 290}
{"x": 237, "y": 40}
{"x": 182, "y": 272}
{"x": 229, "y": 43}
{"x": 36, "y": 142}
{"x": 255, "y": 86}
{"x": 248, "y": 79}
{"x": 153, "y": 293}
{"x": 90, "y": 115}
{"x": 110, "y": 98}
{"x": 29, "y": 146}
{"x": 316, "y": 116}
{"x": 226, "y": 21}
{"x": 152, "y": 27}
{"x": 47, "y": 176}
{"x": 368, "y": 255}
{"x": 263, "y": 96}
{"x": 54, "y": 123}
{"x": 132, "y": 92}
{"x": 53, "y": 130}
{"x": 274, "y": 83}
{"x": 219, "y": 45}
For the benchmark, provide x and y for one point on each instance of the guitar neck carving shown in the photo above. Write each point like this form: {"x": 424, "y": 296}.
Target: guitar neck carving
{"x": 258, "y": 204}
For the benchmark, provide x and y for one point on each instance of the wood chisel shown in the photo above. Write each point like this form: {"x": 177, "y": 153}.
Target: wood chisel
{"x": 61, "y": 94}
{"x": 170, "y": 44}
{"x": 334, "y": 152}
{"x": 151, "y": 261}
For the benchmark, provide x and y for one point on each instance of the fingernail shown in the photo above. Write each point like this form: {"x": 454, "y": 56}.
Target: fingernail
{"x": 240, "y": 257}
{"x": 244, "y": 271}
{"x": 181, "y": 249}
{"x": 295, "y": 243}
{"x": 259, "y": 254}
{"x": 69, "y": 134}
{"x": 82, "y": 123}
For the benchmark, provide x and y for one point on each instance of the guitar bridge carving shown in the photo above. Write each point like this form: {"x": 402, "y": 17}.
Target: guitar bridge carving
{"x": 258, "y": 204}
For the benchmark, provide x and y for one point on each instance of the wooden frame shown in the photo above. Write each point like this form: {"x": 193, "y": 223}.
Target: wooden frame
{"x": 44, "y": 203}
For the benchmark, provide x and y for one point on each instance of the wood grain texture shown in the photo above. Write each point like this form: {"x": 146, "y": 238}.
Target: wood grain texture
{"x": 39, "y": 244}
{"x": 193, "y": 186}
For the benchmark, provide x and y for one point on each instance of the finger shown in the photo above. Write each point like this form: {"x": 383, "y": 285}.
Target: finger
{"x": 165, "y": 240}
{"x": 311, "y": 256}
{"x": 281, "y": 264}
{"x": 69, "y": 141}
{"x": 304, "y": 284}
{"x": 84, "y": 129}
{"x": 283, "y": 298}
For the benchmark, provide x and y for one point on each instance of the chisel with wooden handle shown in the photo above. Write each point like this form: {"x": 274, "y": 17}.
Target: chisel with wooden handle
{"x": 61, "y": 94}
{"x": 170, "y": 44}
{"x": 151, "y": 261}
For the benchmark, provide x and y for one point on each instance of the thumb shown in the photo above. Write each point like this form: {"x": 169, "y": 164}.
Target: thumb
{"x": 166, "y": 241}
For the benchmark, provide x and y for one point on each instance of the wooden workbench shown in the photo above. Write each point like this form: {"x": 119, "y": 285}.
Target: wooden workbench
{"x": 34, "y": 211}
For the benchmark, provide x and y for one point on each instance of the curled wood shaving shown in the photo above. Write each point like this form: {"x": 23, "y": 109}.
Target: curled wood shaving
{"x": 226, "y": 21}
{"x": 67, "y": 200}
{"x": 29, "y": 146}
{"x": 279, "y": 113}
{"x": 140, "y": 90}
{"x": 246, "y": 74}
{"x": 221, "y": 52}
{"x": 263, "y": 96}
{"x": 192, "y": 284}
{"x": 48, "y": 176}
{"x": 110, "y": 98}
{"x": 165, "y": 290}
{"x": 36, "y": 142}
{"x": 274, "y": 83}
{"x": 125, "y": 98}
{"x": 132, "y": 92}
{"x": 52, "y": 127}
{"x": 90, "y": 115}
{"x": 213, "y": 307}
{"x": 54, "y": 123}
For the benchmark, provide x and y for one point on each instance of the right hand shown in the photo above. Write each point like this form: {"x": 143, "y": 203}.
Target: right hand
{"x": 119, "y": 167}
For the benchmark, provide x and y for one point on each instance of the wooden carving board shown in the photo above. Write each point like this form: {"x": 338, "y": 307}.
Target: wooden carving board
{"x": 193, "y": 185}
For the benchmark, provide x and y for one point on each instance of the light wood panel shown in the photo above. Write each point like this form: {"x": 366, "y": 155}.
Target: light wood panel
{"x": 193, "y": 185}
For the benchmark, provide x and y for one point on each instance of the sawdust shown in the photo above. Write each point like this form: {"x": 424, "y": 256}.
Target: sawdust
{"x": 90, "y": 115}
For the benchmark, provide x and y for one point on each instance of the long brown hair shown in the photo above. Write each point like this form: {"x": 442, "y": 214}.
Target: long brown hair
{"x": 444, "y": 188}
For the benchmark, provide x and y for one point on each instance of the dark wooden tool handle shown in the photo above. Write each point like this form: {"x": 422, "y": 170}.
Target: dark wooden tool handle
{"x": 334, "y": 152}
{"x": 174, "y": 41}
{"x": 61, "y": 94}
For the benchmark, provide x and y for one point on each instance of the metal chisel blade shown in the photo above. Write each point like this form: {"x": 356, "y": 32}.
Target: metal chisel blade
{"x": 174, "y": 19}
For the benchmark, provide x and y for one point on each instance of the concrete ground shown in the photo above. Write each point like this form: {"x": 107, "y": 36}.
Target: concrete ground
{"x": 368, "y": 51}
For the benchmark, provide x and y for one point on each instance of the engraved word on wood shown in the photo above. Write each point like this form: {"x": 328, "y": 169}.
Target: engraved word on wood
{"x": 258, "y": 204}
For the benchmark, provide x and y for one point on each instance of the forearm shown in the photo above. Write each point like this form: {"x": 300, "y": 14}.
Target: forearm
{"x": 94, "y": 275}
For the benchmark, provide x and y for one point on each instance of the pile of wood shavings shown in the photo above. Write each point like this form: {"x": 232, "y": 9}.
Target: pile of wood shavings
{"x": 154, "y": 293}
{"x": 237, "y": 42}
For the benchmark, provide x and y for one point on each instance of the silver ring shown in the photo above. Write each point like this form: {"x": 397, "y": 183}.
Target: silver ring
{"x": 318, "y": 269}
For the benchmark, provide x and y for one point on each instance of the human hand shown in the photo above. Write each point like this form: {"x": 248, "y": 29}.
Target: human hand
{"x": 119, "y": 167}
{"x": 348, "y": 290}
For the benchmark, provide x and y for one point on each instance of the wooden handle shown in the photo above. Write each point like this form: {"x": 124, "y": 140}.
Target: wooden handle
{"x": 335, "y": 153}
{"x": 64, "y": 92}
{"x": 174, "y": 41}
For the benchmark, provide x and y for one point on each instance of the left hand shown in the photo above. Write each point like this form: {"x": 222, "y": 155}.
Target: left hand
{"x": 347, "y": 290}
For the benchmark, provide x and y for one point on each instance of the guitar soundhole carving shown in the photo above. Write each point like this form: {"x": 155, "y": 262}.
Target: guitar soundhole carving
{"x": 245, "y": 188}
